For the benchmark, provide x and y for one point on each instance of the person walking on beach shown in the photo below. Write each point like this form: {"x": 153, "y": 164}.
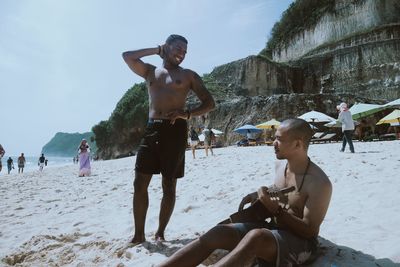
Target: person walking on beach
{"x": 10, "y": 164}
{"x": 41, "y": 162}
{"x": 21, "y": 163}
{"x": 290, "y": 239}
{"x": 194, "y": 140}
{"x": 2, "y": 152}
{"x": 163, "y": 146}
{"x": 347, "y": 126}
{"x": 208, "y": 138}
{"x": 84, "y": 158}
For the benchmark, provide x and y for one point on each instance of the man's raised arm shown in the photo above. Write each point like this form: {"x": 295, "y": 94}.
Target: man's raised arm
{"x": 133, "y": 59}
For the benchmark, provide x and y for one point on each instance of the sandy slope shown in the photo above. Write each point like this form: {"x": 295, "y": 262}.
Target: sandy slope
{"x": 56, "y": 218}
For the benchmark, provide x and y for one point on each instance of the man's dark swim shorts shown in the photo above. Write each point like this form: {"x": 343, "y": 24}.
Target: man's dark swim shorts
{"x": 162, "y": 149}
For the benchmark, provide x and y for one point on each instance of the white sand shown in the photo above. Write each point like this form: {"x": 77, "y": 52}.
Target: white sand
{"x": 58, "y": 219}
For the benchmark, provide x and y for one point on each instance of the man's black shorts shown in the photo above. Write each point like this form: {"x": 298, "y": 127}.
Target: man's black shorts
{"x": 162, "y": 148}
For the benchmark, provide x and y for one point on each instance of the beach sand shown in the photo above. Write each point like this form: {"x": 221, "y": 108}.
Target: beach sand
{"x": 56, "y": 218}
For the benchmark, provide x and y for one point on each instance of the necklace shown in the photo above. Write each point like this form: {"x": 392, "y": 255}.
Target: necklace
{"x": 304, "y": 175}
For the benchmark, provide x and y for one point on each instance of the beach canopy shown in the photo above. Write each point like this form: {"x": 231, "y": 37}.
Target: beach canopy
{"x": 268, "y": 124}
{"x": 315, "y": 116}
{"x": 394, "y": 104}
{"x": 247, "y": 128}
{"x": 361, "y": 110}
{"x": 393, "y": 117}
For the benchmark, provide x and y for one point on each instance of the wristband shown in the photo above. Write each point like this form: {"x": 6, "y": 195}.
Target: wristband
{"x": 159, "y": 49}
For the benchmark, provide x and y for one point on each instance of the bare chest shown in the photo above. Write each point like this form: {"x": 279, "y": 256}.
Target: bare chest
{"x": 295, "y": 200}
{"x": 166, "y": 83}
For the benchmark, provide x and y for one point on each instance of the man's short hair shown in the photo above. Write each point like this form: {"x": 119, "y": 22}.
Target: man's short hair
{"x": 174, "y": 37}
{"x": 298, "y": 129}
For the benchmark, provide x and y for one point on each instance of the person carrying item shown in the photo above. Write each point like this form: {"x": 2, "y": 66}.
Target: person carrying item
{"x": 162, "y": 149}
{"x": 290, "y": 238}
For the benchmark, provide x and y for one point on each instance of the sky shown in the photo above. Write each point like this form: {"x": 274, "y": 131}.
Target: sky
{"x": 61, "y": 68}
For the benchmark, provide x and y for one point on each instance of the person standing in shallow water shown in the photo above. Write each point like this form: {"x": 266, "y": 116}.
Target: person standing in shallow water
{"x": 163, "y": 146}
{"x": 10, "y": 164}
{"x": 21, "y": 163}
{"x": 41, "y": 162}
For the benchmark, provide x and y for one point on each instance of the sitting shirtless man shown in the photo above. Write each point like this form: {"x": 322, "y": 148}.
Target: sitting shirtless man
{"x": 164, "y": 143}
{"x": 297, "y": 217}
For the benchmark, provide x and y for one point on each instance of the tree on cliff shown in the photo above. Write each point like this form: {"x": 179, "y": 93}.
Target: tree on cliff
{"x": 300, "y": 15}
{"x": 120, "y": 134}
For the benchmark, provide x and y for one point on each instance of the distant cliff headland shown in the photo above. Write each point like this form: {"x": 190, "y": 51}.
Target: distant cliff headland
{"x": 66, "y": 144}
{"x": 320, "y": 53}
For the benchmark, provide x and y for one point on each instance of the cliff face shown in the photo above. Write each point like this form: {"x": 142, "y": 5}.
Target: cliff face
{"x": 367, "y": 64}
{"x": 355, "y": 50}
{"x": 348, "y": 18}
{"x": 351, "y": 54}
{"x": 256, "y": 75}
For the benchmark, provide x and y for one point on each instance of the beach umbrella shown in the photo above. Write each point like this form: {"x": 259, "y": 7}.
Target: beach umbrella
{"x": 247, "y": 128}
{"x": 361, "y": 110}
{"x": 315, "y": 116}
{"x": 216, "y": 132}
{"x": 394, "y": 103}
{"x": 268, "y": 124}
{"x": 393, "y": 117}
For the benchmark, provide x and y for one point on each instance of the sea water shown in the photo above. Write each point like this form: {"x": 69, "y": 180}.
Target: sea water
{"x": 32, "y": 162}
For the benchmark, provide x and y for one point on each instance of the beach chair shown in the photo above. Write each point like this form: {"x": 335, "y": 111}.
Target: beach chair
{"x": 326, "y": 138}
{"x": 317, "y": 135}
{"x": 252, "y": 142}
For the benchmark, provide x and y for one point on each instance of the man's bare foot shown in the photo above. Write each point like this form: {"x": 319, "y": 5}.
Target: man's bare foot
{"x": 159, "y": 237}
{"x": 136, "y": 241}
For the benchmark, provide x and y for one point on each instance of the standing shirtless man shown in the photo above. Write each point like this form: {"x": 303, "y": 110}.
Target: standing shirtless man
{"x": 163, "y": 146}
{"x": 292, "y": 239}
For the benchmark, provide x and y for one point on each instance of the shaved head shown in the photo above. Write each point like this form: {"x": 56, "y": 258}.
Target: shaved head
{"x": 298, "y": 129}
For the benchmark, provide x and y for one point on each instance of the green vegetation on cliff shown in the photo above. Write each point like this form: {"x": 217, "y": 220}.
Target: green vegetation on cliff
{"x": 301, "y": 15}
{"x": 120, "y": 134}
{"x": 66, "y": 144}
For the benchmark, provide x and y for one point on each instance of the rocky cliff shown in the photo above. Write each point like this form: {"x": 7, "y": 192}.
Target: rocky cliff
{"x": 346, "y": 18}
{"x": 351, "y": 54}
{"x": 333, "y": 51}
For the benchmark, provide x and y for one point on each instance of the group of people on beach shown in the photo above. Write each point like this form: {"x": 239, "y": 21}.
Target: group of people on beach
{"x": 21, "y": 162}
{"x": 209, "y": 138}
{"x": 291, "y": 235}
{"x": 83, "y": 153}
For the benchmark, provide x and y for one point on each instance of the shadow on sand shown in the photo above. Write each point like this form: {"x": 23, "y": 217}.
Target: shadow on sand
{"x": 330, "y": 255}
